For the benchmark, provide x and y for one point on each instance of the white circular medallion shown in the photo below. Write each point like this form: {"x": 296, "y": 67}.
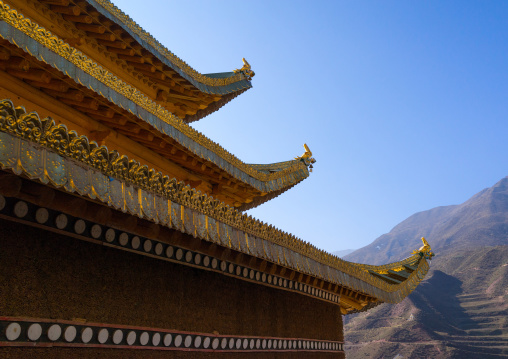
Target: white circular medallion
{"x": 86, "y": 335}
{"x": 13, "y": 330}
{"x": 158, "y": 249}
{"x": 231, "y": 268}
{"x": 110, "y": 235}
{"x": 147, "y": 246}
{"x": 54, "y": 332}
{"x": 131, "y": 337}
{"x": 156, "y": 339}
{"x": 41, "y": 215}
{"x": 188, "y": 257}
{"x": 245, "y": 272}
{"x": 168, "y": 338}
{"x": 263, "y": 344}
{"x": 70, "y": 333}
{"x": 188, "y": 341}
{"x": 258, "y": 276}
{"x": 224, "y": 343}
{"x": 263, "y": 277}
{"x": 215, "y": 263}
{"x": 275, "y": 344}
{"x": 197, "y": 259}
{"x": 117, "y": 336}
{"x": 215, "y": 343}
{"x": 178, "y": 340}
{"x": 20, "y": 209}
{"x": 169, "y": 252}
{"x": 61, "y": 221}
{"x": 206, "y": 261}
{"x": 103, "y": 336}
{"x": 245, "y": 344}
{"x": 144, "y": 338}
{"x": 252, "y": 343}
{"x": 179, "y": 254}
{"x": 96, "y": 231}
{"x": 269, "y": 344}
{"x": 231, "y": 343}
{"x": 238, "y": 270}
{"x": 79, "y": 226}
{"x": 252, "y": 274}
{"x": 123, "y": 239}
{"x": 206, "y": 343}
{"x": 258, "y": 343}
{"x": 136, "y": 242}
{"x": 34, "y": 331}
{"x": 197, "y": 341}
{"x": 223, "y": 266}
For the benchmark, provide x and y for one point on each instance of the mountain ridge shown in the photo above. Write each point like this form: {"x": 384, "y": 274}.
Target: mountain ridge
{"x": 445, "y": 227}
{"x": 460, "y": 310}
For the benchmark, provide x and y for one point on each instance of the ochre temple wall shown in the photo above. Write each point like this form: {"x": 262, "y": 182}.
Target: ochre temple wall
{"x": 47, "y": 275}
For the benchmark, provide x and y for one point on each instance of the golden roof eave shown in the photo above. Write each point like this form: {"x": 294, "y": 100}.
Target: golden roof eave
{"x": 153, "y": 114}
{"x": 41, "y": 150}
{"x": 133, "y": 59}
{"x": 108, "y": 8}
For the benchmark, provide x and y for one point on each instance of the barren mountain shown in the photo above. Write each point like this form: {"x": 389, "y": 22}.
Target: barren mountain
{"x": 480, "y": 221}
{"x": 461, "y": 309}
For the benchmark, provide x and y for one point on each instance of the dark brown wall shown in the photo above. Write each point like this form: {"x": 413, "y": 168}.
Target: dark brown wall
{"x": 46, "y": 275}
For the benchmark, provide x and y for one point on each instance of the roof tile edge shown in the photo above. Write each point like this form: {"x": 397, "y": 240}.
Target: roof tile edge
{"x": 128, "y": 22}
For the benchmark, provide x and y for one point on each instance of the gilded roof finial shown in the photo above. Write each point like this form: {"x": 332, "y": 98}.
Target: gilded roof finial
{"x": 245, "y": 69}
{"x": 307, "y": 157}
{"x": 425, "y": 250}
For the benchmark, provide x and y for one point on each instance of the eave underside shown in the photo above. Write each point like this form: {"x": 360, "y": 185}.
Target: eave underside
{"x": 114, "y": 115}
{"x": 134, "y": 56}
{"x": 45, "y": 152}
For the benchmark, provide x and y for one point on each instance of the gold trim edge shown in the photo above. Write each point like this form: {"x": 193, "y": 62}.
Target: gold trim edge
{"x": 81, "y": 61}
{"x": 45, "y": 133}
{"x": 127, "y": 21}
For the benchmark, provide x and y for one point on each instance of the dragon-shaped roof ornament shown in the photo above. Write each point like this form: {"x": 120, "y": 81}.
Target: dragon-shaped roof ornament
{"x": 307, "y": 157}
{"x": 425, "y": 250}
{"x": 245, "y": 69}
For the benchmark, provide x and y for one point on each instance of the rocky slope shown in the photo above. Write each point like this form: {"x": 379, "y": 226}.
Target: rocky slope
{"x": 461, "y": 309}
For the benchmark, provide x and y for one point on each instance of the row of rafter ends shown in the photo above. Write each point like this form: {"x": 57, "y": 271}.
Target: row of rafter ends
{"x": 209, "y": 84}
{"x": 179, "y": 212}
{"x": 92, "y": 76}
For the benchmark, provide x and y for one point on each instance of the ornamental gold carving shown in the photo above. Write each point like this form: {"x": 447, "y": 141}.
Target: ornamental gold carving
{"x": 186, "y": 204}
{"x": 145, "y": 36}
{"x": 82, "y": 62}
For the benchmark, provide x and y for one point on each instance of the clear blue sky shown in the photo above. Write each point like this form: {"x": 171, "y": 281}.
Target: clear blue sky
{"x": 403, "y": 103}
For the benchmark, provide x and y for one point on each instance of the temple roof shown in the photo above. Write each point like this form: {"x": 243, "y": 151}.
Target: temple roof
{"x": 113, "y": 107}
{"x": 41, "y": 150}
{"x": 103, "y": 32}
